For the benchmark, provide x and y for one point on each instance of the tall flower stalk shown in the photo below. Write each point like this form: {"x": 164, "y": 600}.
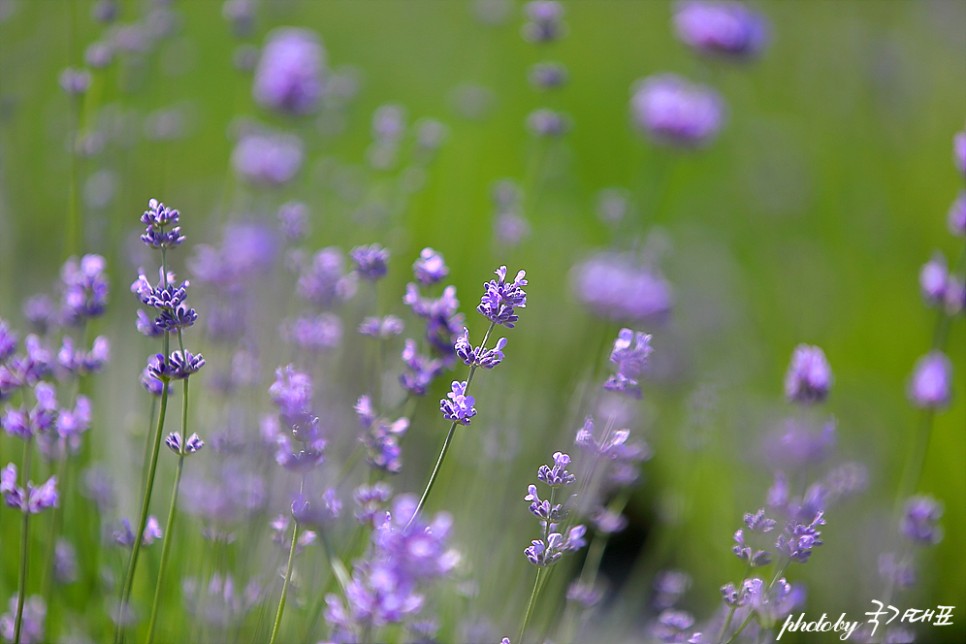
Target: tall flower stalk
{"x": 169, "y": 300}
{"x": 498, "y": 304}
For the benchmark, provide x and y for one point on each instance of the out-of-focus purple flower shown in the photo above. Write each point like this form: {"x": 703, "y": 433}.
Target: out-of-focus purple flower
{"x": 809, "y": 376}
{"x": 582, "y": 594}
{"x": 547, "y": 123}
{"x": 459, "y": 408}
{"x": 316, "y": 333}
{"x": 959, "y": 152}
{"x": 85, "y": 288}
{"x": 124, "y": 535}
{"x": 753, "y": 557}
{"x": 672, "y": 626}
{"x": 920, "y": 521}
{"x": 957, "y": 215}
{"x": 370, "y": 261}
{"x": 290, "y": 74}
{"x": 669, "y": 587}
{"x": 548, "y": 75}
{"x": 292, "y": 394}
{"x": 8, "y": 341}
{"x": 933, "y": 278}
{"x": 421, "y": 370}
{"x": 65, "y": 562}
{"x": 80, "y": 362}
{"x": 267, "y": 159}
{"x": 32, "y": 500}
{"x": 799, "y": 539}
{"x": 240, "y": 14}
{"x": 293, "y": 219}
{"x": 381, "y": 437}
{"x": 161, "y": 226}
{"x": 897, "y": 571}
{"x": 98, "y": 55}
{"x": 630, "y": 355}
{"x": 430, "y": 267}
{"x": 323, "y": 282}
{"x": 676, "y": 112}
{"x": 385, "y": 588}
{"x": 623, "y": 457}
{"x": 796, "y": 443}
{"x": 382, "y": 328}
{"x": 75, "y": 82}
{"x": 443, "y": 319}
{"x": 955, "y": 300}
{"x": 502, "y": 298}
{"x": 26, "y": 423}
{"x": 613, "y": 205}
{"x": 371, "y": 501}
{"x": 720, "y": 28}
{"x": 221, "y": 603}
{"x": 388, "y": 124}
{"x": 618, "y": 287}
{"x": 544, "y": 21}
{"x": 192, "y": 445}
{"x": 40, "y": 312}
{"x": 32, "y": 621}
{"x": 150, "y": 381}
{"x": 931, "y": 383}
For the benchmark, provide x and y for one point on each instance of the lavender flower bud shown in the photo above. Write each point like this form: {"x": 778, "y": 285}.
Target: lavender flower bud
{"x": 933, "y": 278}
{"x": 959, "y": 152}
{"x": 544, "y": 21}
{"x": 548, "y": 76}
{"x": 799, "y": 539}
{"x": 157, "y": 218}
{"x": 930, "y": 386}
{"x": 809, "y": 376}
{"x": 630, "y": 360}
{"x": 75, "y": 82}
{"x": 557, "y": 475}
{"x": 547, "y": 123}
{"x": 720, "y": 28}
{"x": 267, "y": 159}
{"x": 618, "y": 287}
{"x": 673, "y": 111}
{"x": 289, "y": 77}
{"x": 293, "y": 218}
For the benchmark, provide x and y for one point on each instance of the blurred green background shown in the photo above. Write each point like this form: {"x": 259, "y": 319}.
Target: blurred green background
{"x": 806, "y": 221}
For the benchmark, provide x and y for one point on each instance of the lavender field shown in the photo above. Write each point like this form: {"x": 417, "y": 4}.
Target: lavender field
{"x": 482, "y": 321}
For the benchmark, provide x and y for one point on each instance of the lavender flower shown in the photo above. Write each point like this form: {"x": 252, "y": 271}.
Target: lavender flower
{"x": 459, "y": 408}
{"x": 479, "y": 356}
{"x": 293, "y": 219}
{"x": 32, "y": 624}
{"x": 548, "y": 75}
{"x": 544, "y": 21}
{"x": 809, "y": 376}
{"x": 618, "y": 287}
{"x": 75, "y": 82}
{"x": 371, "y": 501}
{"x": 162, "y": 229}
{"x": 547, "y": 123}
{"x": 323, "y": 283}
{"x": 630, "y": 361}
{"x": 799, "y": 539}
{"x": 720, "y": 28}
{"x": 672, "y": 626}
{"x": 920, "y": 521}
{"x": 316, "y": 333}
{"x": 40, "y": 313}
{"x": 370, "y": 261}
{"x": 85, "y": 289}
{"x": 556, "y": 475}
{"x": 267, "y": 159}
{"x": 930, "y": 386}
{"x": 421, "y": 370}
{"x": 959, "y": 152}
{"x": 957, "y": 215}
{"x": 501, "y": 298}
{"x": 442, "y": 316}
{"x": 382, "y": 328}
{"x": 65, "y": 562}
{"x": 221, "y": 603}
{"x": 673, "y": 111}
{"x": 8, "y": 341}
{"x": 933, "y": 279}
{"x": 124, "y": 536}
{"x": 290, "y": 74}
{"x": 382, "y": 437}
{"x": 546, "y": 553}
{"x": 430, "y": 268}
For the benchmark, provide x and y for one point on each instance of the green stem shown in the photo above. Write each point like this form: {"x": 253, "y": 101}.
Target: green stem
{"x": 288, "y": 576}
{"x": 530, "y": 604}
{"x": 741, "y": 627}
{"x": 172, "y": 508}
{"x": 145, "y": 503}
{"x": 24, "y": 546}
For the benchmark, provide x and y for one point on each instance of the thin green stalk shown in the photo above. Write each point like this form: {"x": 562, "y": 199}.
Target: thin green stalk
{"x": 727, "y": 623}
{"x": 288, "y": 576}
{"x": 741, "y": 627}
{"x": 142, "y": 521}
{"x": 172, "y": 509}
{"x": 447, "y": 441}
{"x": 24, "y": 547}
{"x": 530, "y": 604}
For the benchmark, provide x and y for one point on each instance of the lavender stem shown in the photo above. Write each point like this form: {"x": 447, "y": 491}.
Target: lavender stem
{"x": 288, "y": 576}
{"x": 24, "y": 548}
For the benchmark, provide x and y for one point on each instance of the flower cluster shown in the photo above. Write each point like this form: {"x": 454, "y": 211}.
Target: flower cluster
{"x": 292, "y": 395}
{"x": 289, "y": 77}
{"x": 479, "y": 356}
{"x": 458, "y": 406}
{"x": 621, "y": 288}
{"x": 381, "y": 437}
{"x": 674, "y": 111}
{"x": 630, "y": 355}
{"x": 386, "y": 587}
{"x": 161, "y": 226}
{"x": 809, "y": 376}
{"x": 555, "y": 543}
{"x": 720, "y": 28}
{"x": 502, "y": 298}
